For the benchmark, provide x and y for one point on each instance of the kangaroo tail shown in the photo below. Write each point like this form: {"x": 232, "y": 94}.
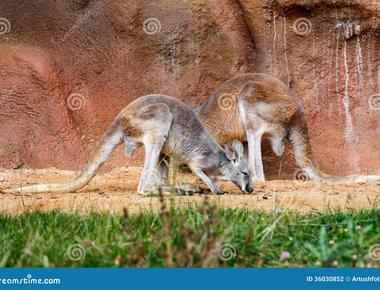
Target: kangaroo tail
{"x": 353, "y": 178}
{"x": 299, "y": 138}
{"x": 109, "y": 141}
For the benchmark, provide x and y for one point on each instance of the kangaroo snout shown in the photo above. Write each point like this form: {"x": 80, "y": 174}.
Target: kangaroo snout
{"x": 248, "y": 189}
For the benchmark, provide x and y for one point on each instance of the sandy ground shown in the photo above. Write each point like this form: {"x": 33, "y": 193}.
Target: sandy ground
{"x": 115, "y": 191}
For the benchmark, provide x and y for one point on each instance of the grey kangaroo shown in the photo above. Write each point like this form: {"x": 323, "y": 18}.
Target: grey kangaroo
{"x": 166, "y": 127}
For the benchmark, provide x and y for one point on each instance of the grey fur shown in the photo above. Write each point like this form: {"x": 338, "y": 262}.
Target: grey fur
{"x": 166, "y": 128}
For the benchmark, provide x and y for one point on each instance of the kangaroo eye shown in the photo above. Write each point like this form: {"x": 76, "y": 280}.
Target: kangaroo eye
{"x": 244, "y": 173}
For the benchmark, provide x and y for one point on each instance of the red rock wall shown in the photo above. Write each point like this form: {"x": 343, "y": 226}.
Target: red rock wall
{"x": 68, "y": 68}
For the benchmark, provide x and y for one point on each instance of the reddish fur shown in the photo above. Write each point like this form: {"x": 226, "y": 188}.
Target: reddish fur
{"x": 226, "y": 124}
{"x": 128, "y": 128}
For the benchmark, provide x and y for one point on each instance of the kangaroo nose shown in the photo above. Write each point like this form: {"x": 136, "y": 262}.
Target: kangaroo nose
{"x": 248, "y": 189}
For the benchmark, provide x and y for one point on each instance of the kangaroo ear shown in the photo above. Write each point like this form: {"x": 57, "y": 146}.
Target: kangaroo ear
{"x": 239, "y": 148}
{"x": 230, "y": 152}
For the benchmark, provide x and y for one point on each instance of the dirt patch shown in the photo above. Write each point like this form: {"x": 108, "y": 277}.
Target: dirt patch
{"x": 67, "y": 67}
{"x": 116, "y": 190}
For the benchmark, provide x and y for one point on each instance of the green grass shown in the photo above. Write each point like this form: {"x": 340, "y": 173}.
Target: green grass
{"x": 191, "y": 237}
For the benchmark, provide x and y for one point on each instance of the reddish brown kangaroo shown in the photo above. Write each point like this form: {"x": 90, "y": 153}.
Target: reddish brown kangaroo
{"x": 250, "y": 105}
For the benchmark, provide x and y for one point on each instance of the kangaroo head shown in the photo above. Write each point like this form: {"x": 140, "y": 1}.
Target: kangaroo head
{"x": 236, "y": 168}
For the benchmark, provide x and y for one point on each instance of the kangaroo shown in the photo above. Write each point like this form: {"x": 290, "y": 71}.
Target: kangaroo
{"x": 165, "y": 127}
{"x": 250, "y": 105}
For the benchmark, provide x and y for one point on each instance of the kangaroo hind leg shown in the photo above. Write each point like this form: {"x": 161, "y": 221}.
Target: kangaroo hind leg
{"x": 150, "y": 178}
{"x": 155, "y": 121}
{"x": 255, "y": 155}
{"x": 254, "y": 127}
